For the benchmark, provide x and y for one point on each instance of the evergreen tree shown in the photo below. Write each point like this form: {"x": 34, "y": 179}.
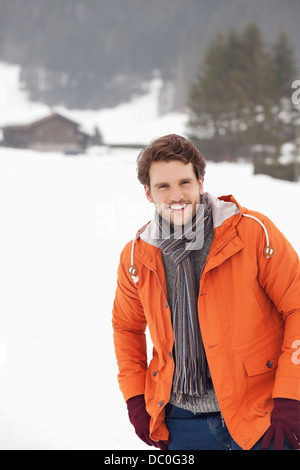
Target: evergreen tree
{"x": 236, "y": 100}
{"x": 284, "y": 70}
{"x": 97, "y": 137}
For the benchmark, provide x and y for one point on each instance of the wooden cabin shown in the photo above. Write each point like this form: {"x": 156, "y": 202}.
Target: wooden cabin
{"x": 52, "y": 133}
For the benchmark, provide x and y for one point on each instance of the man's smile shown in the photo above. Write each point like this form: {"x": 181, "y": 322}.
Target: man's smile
{"x": 177, "y": 207}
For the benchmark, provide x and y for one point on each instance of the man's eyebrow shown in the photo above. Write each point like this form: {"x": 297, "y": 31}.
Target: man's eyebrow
{"x": 185, "y": 179}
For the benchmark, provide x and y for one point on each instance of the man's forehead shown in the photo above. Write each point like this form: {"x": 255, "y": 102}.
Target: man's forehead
{"x": 171, "y": 171}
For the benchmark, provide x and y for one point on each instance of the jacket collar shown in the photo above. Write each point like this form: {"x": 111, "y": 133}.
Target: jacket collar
{"x": 226, "y": 212}
{"x": 224, "y": 209}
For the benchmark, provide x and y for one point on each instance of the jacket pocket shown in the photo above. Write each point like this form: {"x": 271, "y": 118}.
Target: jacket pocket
{"x": 260, "y": 368}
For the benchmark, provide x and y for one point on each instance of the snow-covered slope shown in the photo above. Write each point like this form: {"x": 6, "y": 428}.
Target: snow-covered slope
{"x": 135, "y": 122}
{"x": 15, "y": 107}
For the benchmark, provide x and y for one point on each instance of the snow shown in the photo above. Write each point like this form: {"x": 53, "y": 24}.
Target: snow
{"x": 15, "y": 106}
{"x": 135, "y": 122}
{"x": 64, "y": 222}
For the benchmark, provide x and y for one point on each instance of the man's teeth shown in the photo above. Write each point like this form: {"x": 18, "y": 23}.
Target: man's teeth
{"x": 177, "y": 207}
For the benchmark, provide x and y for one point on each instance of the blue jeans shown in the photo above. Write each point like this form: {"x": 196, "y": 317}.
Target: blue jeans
{"x": 205, "y": 431}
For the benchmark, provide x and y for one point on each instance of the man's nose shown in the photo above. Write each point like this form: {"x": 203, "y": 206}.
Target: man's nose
{"x": 177, "y": 195}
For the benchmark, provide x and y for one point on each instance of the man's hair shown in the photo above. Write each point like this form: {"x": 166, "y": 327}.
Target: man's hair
{"x": 167, "y": 148}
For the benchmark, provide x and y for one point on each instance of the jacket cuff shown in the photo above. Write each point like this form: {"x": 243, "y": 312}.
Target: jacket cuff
{"x": 133, "y": 386}
{"x": 287, "y": 387}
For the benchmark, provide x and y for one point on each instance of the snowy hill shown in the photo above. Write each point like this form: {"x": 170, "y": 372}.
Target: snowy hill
{"x": 135, "y": 122}
{"x": 64, "y": 221}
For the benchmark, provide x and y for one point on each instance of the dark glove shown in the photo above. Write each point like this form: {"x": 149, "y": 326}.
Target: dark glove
{"x": 285, "y": 422}
{"x": 140, "y": 420}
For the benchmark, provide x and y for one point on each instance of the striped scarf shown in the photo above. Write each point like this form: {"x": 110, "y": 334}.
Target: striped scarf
{"x": 190, "y": 375}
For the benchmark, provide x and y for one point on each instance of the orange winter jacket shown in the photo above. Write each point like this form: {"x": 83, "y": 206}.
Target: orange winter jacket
{"x": 249, "y": 314}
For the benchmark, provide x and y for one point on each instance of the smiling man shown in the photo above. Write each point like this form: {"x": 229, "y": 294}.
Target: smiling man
{"x": 175, "y": 189}
{"x": 218, "y": 286}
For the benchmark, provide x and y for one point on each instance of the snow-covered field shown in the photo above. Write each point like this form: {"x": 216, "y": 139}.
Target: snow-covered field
{"x": 64, "y": 221}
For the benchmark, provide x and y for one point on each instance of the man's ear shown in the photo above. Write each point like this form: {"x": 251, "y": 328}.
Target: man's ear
{"x": 148, "y": 194}
{"x": 201, "y": 185}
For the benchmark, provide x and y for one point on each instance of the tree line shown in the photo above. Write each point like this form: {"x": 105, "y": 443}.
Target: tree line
{"x": 97, "y": 53}
{"x": 240, "y": 103}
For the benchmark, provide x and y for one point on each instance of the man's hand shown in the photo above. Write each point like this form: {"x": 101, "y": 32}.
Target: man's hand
{"x": 140, "y": 420}
{"x": 285, "y": 422}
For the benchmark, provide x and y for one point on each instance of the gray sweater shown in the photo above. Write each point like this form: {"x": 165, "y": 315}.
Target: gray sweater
{"x": 208, "y": 403}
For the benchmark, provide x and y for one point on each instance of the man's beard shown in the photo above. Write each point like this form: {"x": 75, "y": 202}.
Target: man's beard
{"x": 178, "y": 217}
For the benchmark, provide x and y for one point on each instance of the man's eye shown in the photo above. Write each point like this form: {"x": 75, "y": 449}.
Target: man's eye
{"x": 162, "y": 186}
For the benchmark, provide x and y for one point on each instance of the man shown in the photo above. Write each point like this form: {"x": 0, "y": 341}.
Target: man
{"x": 218, "y": 286}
